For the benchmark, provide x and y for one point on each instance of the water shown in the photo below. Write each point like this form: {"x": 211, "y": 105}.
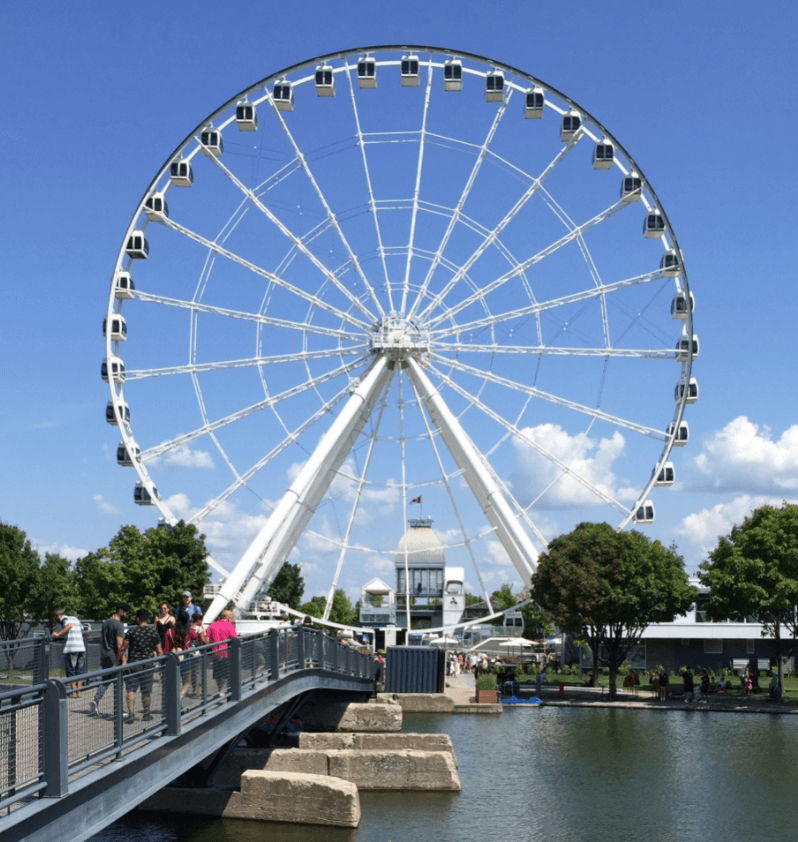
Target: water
{"x": 564, "y": 775}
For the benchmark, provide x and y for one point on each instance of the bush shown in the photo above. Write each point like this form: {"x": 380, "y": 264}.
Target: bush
{"x": 486, "y": 682}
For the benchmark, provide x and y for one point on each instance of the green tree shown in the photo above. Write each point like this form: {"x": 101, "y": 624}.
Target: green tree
{"x": 288, "y": 586}
{"x": 142, "y": 569}
{"x": 54, "y": 588}
{"x": 471, "y": 599}
{"x": 753, "y": 571}
{"x": 19, "y": 578}
{"x": 608, "y": 586}
{"x": 341, "y": 610}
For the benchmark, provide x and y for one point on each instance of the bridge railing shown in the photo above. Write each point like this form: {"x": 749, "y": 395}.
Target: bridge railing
{"x": 52, "y": 732}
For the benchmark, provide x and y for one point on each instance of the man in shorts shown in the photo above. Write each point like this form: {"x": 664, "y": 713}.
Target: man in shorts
{"x": 75, "y": 649}
{"x": 111, "y": 637}
{"x": 141, "y": 642}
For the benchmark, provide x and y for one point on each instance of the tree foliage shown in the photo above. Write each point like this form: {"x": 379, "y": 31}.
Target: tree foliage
{"x": 341, "y": 610}
{"x": 142, "y": 569}
{"x": 288, "y": 586}
{"x": 608, "y": 586}
{"x": 753, "y": 572}
{"x": 19, "y": 577}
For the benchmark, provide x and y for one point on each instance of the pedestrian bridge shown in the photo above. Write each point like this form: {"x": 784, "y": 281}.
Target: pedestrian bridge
{"x": 66, "y": 773}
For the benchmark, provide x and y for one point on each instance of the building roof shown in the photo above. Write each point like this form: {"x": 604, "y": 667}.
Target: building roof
{"x": 421, "y": 545}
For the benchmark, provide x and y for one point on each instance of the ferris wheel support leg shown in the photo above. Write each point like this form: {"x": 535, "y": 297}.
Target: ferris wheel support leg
{"x": 478, "y": 475}
{"x": 281, "y": 531}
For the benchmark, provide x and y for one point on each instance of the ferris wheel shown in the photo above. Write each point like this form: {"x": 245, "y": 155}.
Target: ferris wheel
{"x": 397, "y": 277}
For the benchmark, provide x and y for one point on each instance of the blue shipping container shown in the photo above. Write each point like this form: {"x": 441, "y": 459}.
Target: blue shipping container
{"x": 415, "y": 669}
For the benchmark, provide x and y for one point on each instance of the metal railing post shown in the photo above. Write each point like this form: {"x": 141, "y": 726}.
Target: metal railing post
{"x": 234, "y": 667}
{"x": 41, "y": 662}
{"x": 55, "y": 743}
{"x": 172, "y": 703}
{"x": 300, "y": 647}
{"x": 119, "y": 713}
{"x": 274, "y": 653}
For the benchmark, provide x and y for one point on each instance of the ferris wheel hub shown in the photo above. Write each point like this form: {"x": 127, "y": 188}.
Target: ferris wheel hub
{"x": 398, "y": 336}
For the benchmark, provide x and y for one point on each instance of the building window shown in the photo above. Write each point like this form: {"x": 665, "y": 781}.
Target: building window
{"x": 749, "y": 646}
{"x": 713, "y": 647}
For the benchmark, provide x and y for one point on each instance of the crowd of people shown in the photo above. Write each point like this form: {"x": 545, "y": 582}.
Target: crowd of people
{"x": 141, "y": 640}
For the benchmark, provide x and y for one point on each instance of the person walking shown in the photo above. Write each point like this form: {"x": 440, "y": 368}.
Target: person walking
{"x": 75, "y": 648}
{"x": 188, "y": 606}
{"x": 111, "y": 637}
{"x": 141, "y": 642}
{"x": 165, "y": 621}
{"x": 178, "y": 639}
{"x": 220, "y": 631}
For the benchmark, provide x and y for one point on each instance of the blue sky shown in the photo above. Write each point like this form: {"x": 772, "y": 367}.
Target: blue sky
{"x": 97, "y": 97}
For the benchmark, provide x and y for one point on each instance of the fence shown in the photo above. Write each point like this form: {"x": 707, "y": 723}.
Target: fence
{"x": 51, "y": 733}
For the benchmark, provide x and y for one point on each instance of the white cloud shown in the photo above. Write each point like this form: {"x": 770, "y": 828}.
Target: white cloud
{"x": 589, "y": 458}
{"x": 183, "y": 457}
{"x": 702, "y": 529}
{"x": 744, "y": 457}
{"x": 104, "y": 506}
{"x": 65, "y": 550}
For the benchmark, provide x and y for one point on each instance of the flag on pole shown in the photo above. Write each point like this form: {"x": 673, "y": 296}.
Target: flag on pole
{"x": 415, "y": 500}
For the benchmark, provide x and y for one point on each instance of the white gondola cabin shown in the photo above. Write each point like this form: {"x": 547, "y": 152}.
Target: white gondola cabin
{"x": 367, "y": 72}
{"x": 142, "y": 497}
{"x": 670, "y": 264}
{"x": 283, "y": 95}
{"x": 156, "y": 208}
{"x": 116, "y": 368}
{"x": 631, "y": 187}
{"x": 533, "y": 103}
{"x": 692, "y": 390}
{"x": 110, "y": 415}
{"x": 666, "y": 475}
{"x": 571, "y": 123}
{"x": 212, "y": 143}
{"x": 246, "y": 116}
{"x": 603, "y": 155}
{"x": 682, "y": 434}
{"x": 653, "y": 225}
{"x": 644, "y": 513}
{"x": 123, "y": 285}
{"x": 494, "y": 86}
{"x": 118, "y": 328}
{"x": 137, "y": 246}
{"x": 453, "y": 75}
{"x": 180, "y": 173}
{"x": 325, "y": 81}
{"x": 683, "y": 348}
{"x": 409, "y": 71}
{"x": 126, "y": 457}
{"x": 682, "y": 306}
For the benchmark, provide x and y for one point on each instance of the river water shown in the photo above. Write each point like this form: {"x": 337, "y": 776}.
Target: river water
{"x": 565, "y": 775}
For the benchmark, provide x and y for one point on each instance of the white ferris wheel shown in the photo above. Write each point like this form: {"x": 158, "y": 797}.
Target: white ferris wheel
{"x": 394, "y": 274}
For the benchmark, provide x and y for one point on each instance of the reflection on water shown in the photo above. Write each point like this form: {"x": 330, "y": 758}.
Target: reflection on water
{"x": 560, "y": 775}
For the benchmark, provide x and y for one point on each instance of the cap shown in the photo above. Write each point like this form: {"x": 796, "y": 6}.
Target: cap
{"x": 186, "y": 593}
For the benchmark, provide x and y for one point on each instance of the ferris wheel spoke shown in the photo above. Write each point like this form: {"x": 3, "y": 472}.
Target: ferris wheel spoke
{"x": 198, "y": 368}
{"x": 273, "y": 400}
{"x": 467, "y": 541}
{"x": 497, "y": 230}
{"x": 314, "y": 300}
{"x": 372, "y": 202}
{"x": 520, "y": 434}
{"x": 298, "y": 242}
{"x": 414, "y": 214}
{"x": 327, "y": 209}
{"x": 289, "y": 439}
{"x": 270, "y": 321}
{"x": 535, "y": 307}
{"x": 534, "y": 392}
{"x": 524, "y": 265}
{"x": 455, "y": 217}
{"x": 361, "y": 482}
{"x": 553, "y": 351}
